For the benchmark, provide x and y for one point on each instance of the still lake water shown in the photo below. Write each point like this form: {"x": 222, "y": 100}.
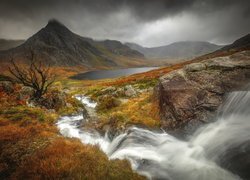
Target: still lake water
{"x": 106, "y": 74}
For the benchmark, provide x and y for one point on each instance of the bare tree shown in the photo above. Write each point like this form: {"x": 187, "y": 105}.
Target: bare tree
{"x": 36, "y": 76}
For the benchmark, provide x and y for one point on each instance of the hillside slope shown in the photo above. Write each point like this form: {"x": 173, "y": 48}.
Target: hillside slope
{"x": 243, "y": 42}
{"x": 57, "y": 45}
{"x": 6, "y": 44}
{"x": 177, "y": 50}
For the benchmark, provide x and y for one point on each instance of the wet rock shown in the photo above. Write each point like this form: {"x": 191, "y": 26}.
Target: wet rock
{"x": 190, "y": 96}
{"x": 237, "y": 160}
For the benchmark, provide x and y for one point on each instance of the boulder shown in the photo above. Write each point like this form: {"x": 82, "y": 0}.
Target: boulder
{"x": 190, "y": 96}
{"x": 53, "y": 100}
{"x": 129, "y": 91}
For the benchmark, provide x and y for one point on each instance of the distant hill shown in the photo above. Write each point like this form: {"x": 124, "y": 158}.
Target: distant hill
{"x": 177, "y": 50}
{"x": 243, "y": 42}
{"x": 55, "y": 44}
{"x": 6, "y": 44}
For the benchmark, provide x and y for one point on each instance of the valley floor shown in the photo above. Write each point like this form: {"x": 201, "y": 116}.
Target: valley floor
{"x": 32, "y": 147}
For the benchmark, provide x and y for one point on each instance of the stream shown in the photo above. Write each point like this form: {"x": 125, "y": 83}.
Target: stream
{"x": 158, "y": 155}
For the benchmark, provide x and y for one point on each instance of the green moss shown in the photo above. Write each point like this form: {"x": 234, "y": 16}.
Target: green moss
{"x": 24, "y": 113}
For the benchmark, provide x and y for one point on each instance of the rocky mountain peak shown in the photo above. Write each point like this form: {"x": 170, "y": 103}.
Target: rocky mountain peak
{"x": 56, "y": 26}
{"x": 55, "y": 23}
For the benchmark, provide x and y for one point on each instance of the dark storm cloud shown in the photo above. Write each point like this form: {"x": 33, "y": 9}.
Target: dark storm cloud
{"x": 143, "y": 9}
{"x": 125, "y": 19}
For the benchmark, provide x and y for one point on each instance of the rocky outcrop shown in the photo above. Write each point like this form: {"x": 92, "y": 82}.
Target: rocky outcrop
{"x": 53, "y": 100}
{"x": 130, "y": 91}
{"x": 190, "y": 96}
{"x": 127, "y": 91}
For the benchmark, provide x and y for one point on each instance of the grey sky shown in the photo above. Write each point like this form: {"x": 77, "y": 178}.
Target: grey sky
{"x": 147, "y": 22}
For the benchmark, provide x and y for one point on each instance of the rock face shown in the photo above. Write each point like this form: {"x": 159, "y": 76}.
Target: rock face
{"x": 190, "y": 96}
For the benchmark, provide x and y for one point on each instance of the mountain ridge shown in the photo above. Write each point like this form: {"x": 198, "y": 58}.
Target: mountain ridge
{"x": 55, "y": 44}
{"x": 242, "y": 42}
{"x": 177, "y": 50}
{"x": 6, "y": 44}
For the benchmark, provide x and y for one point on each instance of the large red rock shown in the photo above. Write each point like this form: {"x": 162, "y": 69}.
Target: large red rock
{"x": 190, "y": 96}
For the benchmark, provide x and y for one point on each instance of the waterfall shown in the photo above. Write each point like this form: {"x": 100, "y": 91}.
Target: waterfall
{"x": 158, "y": 155}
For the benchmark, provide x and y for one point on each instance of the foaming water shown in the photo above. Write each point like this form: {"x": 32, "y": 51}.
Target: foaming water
{"x": 159, "y": 155}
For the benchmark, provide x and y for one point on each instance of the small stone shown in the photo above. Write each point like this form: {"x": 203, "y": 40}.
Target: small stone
{"x": 130, "y": 91}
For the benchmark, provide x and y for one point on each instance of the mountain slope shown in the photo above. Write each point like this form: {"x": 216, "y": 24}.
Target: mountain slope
{"x": 243, "y": 42}
{"x": 57, "y": 45}
{"x": 177, "y": 50}
{"x": 6, "y": 44}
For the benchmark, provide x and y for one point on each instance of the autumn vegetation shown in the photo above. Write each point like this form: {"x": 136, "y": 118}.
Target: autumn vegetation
{"x": 31, "y": 147}
{"x": 139, "y": 111}
{"x": 36, "y": 76}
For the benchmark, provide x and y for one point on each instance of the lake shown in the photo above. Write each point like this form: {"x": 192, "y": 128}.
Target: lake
{"x": 107, "y": 74}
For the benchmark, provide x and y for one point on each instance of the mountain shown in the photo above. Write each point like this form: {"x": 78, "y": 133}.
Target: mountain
{"x": 6, "y": 44}
{"x": 177, "y": 50}
{"x": 55, "y": 44}
{"x": 243, "y": 42}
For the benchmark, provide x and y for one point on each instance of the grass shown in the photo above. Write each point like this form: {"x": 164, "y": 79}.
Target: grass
{"x": 107, "y": 102}
{"x": 35, "y": 151}
{"x": 24, "y": 113}
{"x": 31, "y": 147}
{"x": 140, "y": 111}
{"x": 70, "y": 159}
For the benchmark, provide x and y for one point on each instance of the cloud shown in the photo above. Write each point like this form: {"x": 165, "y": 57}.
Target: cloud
{"x": 149, "y": 22}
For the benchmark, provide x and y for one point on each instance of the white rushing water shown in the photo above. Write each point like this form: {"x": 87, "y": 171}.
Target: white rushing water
{"x": 159, "y": 155}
